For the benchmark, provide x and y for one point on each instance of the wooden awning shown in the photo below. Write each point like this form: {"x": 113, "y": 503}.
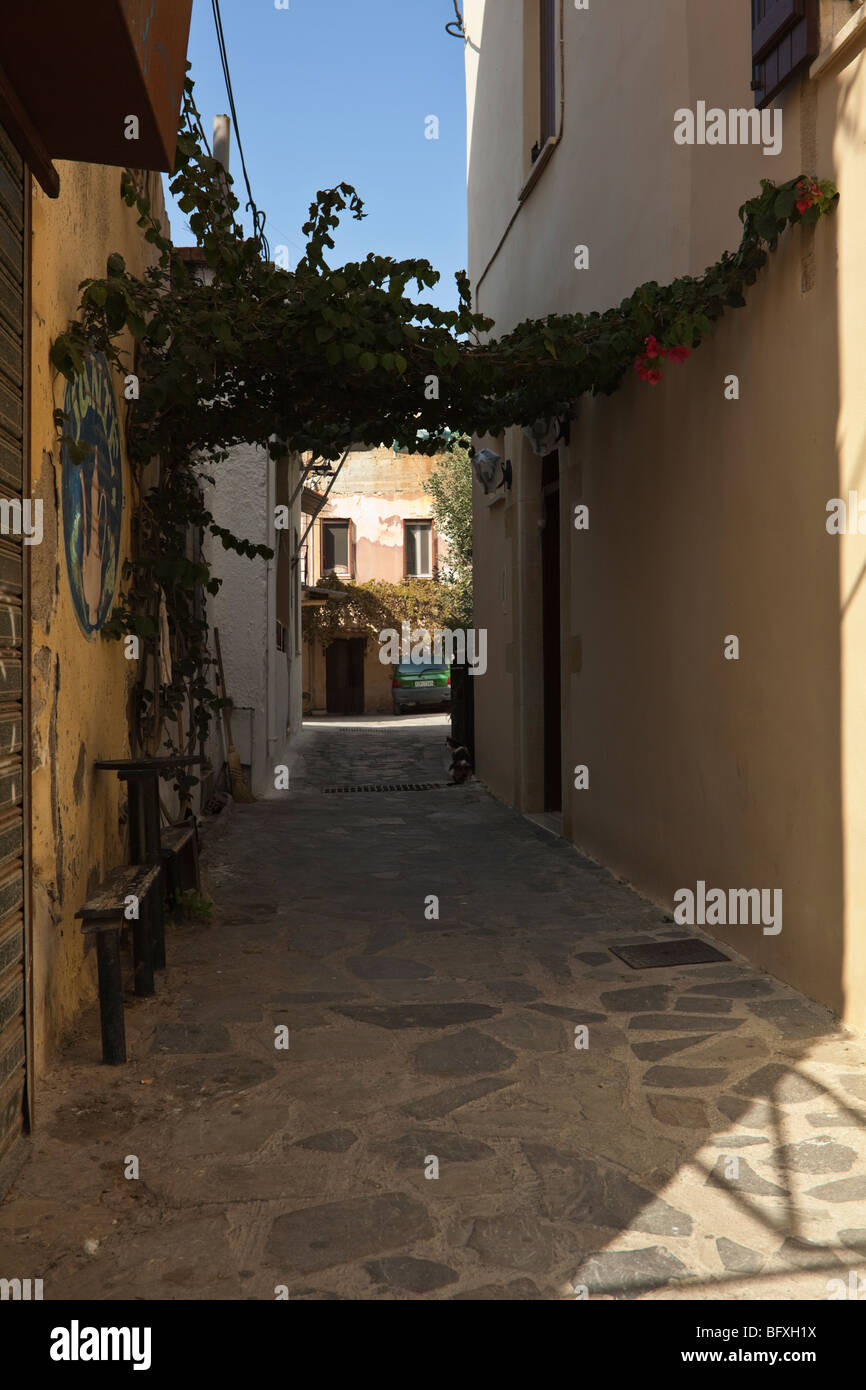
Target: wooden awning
{"x": 72, "y": 76}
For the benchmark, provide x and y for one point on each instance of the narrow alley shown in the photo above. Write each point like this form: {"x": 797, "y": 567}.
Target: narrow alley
{"x": 478, "y": 1099}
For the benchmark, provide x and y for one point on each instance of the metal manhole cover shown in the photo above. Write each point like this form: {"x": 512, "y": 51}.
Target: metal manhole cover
{"x": 390, "y": 787}
{"x": 689, "y": 951}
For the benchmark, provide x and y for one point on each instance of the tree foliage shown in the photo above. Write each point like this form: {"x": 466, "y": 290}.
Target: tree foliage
{"x": 450, "y": 487}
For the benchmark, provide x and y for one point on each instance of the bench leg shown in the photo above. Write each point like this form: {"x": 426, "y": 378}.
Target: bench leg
{"x": 111, "y": 997}
{"x": 193, "y": 862}
{"x": 142, "y": 945}
{"x": 157, "y": 924}
{"x": 173, "y": 886}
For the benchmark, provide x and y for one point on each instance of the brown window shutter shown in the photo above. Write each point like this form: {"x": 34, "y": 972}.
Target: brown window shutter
{"x": 548, "y": 70}
{"x": 785, "y": 39}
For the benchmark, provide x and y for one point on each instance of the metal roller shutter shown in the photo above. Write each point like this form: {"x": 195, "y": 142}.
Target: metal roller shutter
{"x": 13, "y": 991}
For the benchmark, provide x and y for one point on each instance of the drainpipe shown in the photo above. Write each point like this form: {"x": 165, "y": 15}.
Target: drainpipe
{"x": 270, "y": 618}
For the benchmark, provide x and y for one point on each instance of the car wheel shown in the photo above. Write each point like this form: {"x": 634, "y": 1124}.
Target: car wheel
{"x": 398, "y": 709}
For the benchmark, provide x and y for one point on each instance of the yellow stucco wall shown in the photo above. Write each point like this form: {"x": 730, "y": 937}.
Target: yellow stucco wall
{"x": 707, "y": 516}
{"x": 79, "y": 684}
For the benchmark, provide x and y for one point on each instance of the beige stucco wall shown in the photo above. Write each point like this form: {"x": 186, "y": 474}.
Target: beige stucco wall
{"x": 707, "y": 516}
{"x": 79, "y": 684}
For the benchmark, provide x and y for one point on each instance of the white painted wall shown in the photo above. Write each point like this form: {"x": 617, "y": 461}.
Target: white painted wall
{"x": 264, "y": 683}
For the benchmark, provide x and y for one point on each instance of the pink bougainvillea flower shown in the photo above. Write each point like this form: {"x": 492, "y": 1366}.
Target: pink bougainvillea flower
{"x": 654, "y": 376}
{"x": 654, "y": 347}
{"x": 679, "y": 353}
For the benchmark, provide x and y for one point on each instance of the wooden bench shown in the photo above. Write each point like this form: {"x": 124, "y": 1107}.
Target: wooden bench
{"x": 179, "y": 851}
{"x": 104, "y": 916}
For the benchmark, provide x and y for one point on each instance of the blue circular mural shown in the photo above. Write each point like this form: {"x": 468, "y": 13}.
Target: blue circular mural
{"x": 92, "y": 494}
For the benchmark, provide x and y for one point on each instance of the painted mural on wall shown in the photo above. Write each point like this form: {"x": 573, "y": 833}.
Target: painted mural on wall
{"x": 92, "y": 494}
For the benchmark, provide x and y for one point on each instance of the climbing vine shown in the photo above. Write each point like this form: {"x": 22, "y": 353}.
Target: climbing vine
{"x": 377, "y": 605}
{"x": 311, "y": 360}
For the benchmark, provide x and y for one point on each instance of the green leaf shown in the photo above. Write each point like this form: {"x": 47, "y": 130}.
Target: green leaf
{"x": 367, "y": 361}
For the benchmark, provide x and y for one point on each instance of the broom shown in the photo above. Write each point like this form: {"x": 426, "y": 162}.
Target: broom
{"x": 240, "y": 790}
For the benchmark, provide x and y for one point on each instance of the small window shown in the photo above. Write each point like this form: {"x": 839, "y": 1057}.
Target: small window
{"x": 418, "y": 548}
{"x": 548, "y": 71}
{"x": 336, "y": 547}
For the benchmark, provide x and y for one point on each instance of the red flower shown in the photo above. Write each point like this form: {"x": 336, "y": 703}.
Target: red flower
{"x": 654, "y": 347}
{"x": 654, "y": 376}
{"x": 809, "y": 194}
{"x": 679, "y": 353}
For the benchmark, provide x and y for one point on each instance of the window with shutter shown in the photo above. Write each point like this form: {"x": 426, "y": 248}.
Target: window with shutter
{"x": 336, "y": 547}
{"x": 548, "y": 70}
{"x": 785, "y": 39}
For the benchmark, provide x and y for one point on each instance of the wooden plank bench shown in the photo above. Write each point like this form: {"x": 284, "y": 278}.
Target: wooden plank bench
{"x": 104, "y": 915}
{"x": 179, "y": 851}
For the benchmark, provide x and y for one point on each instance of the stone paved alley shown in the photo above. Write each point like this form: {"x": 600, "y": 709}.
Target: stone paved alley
{"x": 611, "y": 1166}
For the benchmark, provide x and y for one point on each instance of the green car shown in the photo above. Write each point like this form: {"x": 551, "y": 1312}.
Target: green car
{"x": 417, "y": 683}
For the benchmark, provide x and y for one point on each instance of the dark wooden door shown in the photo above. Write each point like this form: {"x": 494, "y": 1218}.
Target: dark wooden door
{"x": 344, "y": 671}
{"x": 550, "y": 629}
{"x": 13, "y": 824}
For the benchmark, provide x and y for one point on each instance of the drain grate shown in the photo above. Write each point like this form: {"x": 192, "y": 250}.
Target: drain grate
{"x": 687, "y": 951}
{"x": 352, "y": 730}
{"x": 389, "y": 787}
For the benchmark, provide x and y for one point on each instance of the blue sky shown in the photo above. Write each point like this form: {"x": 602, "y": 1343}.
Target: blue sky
{"x": 339, "y": 90}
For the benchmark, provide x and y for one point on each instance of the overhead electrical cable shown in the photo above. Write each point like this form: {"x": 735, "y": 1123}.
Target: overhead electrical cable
{"x": 258, "y": 217}
{"x": 455, "y": 26}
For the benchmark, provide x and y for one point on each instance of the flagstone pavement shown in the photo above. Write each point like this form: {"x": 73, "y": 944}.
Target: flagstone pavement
{"x": 480, "y": 1104}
